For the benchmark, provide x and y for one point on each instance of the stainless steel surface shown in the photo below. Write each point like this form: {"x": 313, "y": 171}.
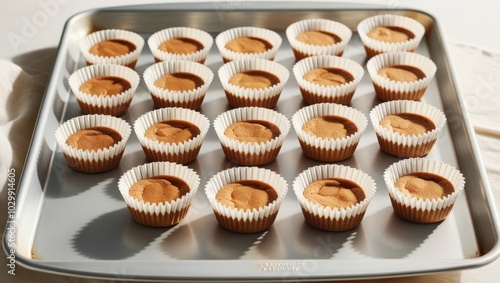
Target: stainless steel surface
{"x": 76, "y": 223}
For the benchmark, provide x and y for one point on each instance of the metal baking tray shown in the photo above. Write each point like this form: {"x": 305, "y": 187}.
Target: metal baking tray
{"x": 78, "y": 224}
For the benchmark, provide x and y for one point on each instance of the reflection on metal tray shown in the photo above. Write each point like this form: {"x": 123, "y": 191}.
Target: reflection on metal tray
{"x": 77, "y": 223}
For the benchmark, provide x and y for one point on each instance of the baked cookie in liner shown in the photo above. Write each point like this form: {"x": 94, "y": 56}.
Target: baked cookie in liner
{"x": 248, "y": 42}
{"x": 401, "y": 140}
{"x": 180, "y": 43}
{"x": 104, "y": 89}
{"x": 159, "y": 213}
{"x": 93, "y": 159}
{"x": 260, "y": 85}
{"x": 331, "y": 217}
{"x": 374, "y": 45}
{"x": 423, "y": 209}
{"x": 335, "y": 148}
{"x": 251, "y": 153}
{"x": 182, "y": 151}
{"x": 333, "y": 79}
{"x": 311, "y": 37}
{"x": 130, "y": 45}
{"x": 197, "y": 75}
{"x": 252, "y": 220}
{"x": 400, "y": 75}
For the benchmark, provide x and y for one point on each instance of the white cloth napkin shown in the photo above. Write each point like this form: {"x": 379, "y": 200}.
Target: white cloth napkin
{"x": 478, "y": 74}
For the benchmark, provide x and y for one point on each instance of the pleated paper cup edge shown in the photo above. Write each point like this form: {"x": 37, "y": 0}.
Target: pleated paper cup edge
{"x": 227, "y": 176}
{"x": 306, "y": 177}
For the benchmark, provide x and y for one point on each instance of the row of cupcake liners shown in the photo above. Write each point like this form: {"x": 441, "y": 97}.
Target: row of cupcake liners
{"x": 241, "y": 114}
{"x": 386, "y": 90}
{"x": 302, "y": 50}
{"x": 265, "y": 152}
{"x": 322, "y": 217}
{"x": 314, "y": 214}
{"x": 239, "y": 97}
{"x": 338, "y": 29}
{"x": 156, "y": 39}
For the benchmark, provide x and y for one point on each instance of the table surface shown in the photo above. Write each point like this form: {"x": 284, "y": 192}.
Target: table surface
{"x": 31, "y": 30}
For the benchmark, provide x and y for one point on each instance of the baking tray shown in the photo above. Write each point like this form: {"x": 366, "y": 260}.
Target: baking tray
{"x": 78, "y": 224}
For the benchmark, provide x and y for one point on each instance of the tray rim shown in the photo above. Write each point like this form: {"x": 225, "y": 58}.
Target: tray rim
{"x": 33, "y": 150}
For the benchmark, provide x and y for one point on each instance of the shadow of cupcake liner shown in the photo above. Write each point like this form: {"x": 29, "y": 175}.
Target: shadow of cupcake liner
{"x": 114, "y": 236}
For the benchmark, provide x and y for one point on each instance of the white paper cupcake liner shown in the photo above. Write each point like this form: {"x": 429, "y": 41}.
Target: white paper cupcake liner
{"x": 228, "y": 55}
{"x": 182, "y": 153}
{"x": 157, "y": 38}
{"x": 387, "y": 89}
{"x": 418, "y": 209}
{"x": 315, "y": 93}
{"x": 325, "y": 217}
{"x": 248, "y": 153}
{"x": 114, "y": 105}
{"x": 158, "y": 214}
{"x": 240, "y": 96}
{"x": 404, "y": 145}
{"x": 191, "y": 99}
{"x": 328, "y": 150}
{"x": 302, "y": 49}
{"x": 93, "y": 161}
{"x": 374, "y": 47}
{"x": 128, "y": 60}
{"x": 246, "y": 221}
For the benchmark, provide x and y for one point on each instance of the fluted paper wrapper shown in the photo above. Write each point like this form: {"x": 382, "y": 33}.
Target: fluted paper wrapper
{"x": 93, "y": 161}
{"x": 129, "y": 60}
{"x": 246, "y": 221}
{"x": 314, "y": 93}
{"x": 157, "y": 38}
{"x": 387, "y": 89}
{"x": 325, "y": 217}
{"x": 191, "y": 99}
{"x": 417, "y": 209}
{"x": 184, "y": 152}
{"x": 374, "y": 47}
{"x": 238, "y": 96}
{"x": 328, "y": 150}
{"x": 115, "y": 105}
{"x": 158, "y": 214}
{"x": 302, "y": 49}
{"x": 266, "y": 34}
{"x": 404, "y": 145}
{"x": 248, "y": 153}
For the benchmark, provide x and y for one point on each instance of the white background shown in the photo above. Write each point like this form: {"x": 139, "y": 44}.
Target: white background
{"x": 473, "y": 22}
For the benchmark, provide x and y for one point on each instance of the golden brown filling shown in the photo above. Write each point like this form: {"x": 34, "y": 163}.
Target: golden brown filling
{"x": 94, "y": 138}
{"x": 179, "y": 81}
{"x": 254, "y": 131}
{"x": 328, "y": 76}
{"x": 159, "y": 189}
{"x": 401, "y": 73}
{"x": 254, "y": 79}
{"x": 318, "y": 37}
{"x": 112, "y": 48}
{"x": 330, "y": 127}
{"x": 335, "y": 193}
{"x": 246, "y": 194}
{"x": 105, "y": 85}
{"x": 172, "y": 131}
{"x": 248, "y": 44}
{"x": 424, "y": 185}
{"x": 391, "y": 34}
{"x": 180, "y": 45}
{"x": 407, "y": 124}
